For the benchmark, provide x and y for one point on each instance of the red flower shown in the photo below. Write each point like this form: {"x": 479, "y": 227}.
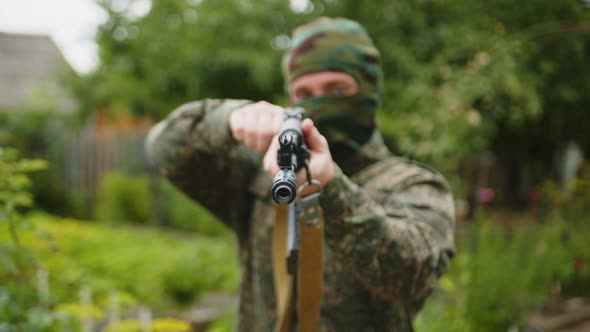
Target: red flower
{"x": 578, "y": 264}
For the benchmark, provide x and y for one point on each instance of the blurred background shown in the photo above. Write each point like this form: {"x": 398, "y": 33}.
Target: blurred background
{"x": 494, "y": 94}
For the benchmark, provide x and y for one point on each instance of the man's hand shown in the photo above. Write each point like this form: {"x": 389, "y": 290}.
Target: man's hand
{"x": 321, "y": 166}
{"x": 255, "y": 125}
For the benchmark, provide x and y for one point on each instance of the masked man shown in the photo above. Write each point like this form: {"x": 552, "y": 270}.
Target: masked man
{"x": 389, "y": 222}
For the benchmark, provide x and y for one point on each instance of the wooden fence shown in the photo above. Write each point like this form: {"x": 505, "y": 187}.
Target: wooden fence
{"x": 101, "y": 147}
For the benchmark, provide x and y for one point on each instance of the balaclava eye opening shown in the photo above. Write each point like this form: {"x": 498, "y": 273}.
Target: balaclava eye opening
{"x": 342, "y": 45}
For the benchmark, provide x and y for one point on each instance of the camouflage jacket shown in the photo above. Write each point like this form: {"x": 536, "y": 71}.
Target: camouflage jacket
{"x": 389, "y": 222}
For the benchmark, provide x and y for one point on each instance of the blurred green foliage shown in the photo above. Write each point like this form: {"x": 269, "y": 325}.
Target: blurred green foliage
{"x": 70, "y": 316}
{"x": 569, "y": 204}
{"x": 123, "y": 198}
{"x": 134, "y": 261}
{"x": 504, "y": 271}
{"x": 106, "y": 258}
{"x": 158, "y": 325}
{"x": 183, "y": 213}
{"x": 18, "y": 266}
{"x": 38, "y": 132}
{"x": 225, "y": 323}
{"x": 462, "y": 77}
{"x": 129, "y": 198}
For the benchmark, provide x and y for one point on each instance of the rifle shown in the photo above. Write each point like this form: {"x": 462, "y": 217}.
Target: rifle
{"x": 302, "y": 287}
{"x": 292, "y": 155}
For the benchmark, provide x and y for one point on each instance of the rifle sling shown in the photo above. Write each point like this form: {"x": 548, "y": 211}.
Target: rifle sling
{"x": 282, "y": 279}
{"x": 309, "y": 269}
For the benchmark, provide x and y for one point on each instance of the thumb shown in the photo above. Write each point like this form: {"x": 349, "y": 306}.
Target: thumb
{"x": 315, "y": 141}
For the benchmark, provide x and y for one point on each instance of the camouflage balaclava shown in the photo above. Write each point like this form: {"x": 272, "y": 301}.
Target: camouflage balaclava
{"x": 341, "y": 45}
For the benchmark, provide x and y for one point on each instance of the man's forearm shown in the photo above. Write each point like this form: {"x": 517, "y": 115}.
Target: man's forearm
{"x": 194, "y": 148}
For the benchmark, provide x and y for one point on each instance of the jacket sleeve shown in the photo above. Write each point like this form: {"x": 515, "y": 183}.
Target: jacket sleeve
{"x": 193, "y": 147}
{"x": 396, "y": 231}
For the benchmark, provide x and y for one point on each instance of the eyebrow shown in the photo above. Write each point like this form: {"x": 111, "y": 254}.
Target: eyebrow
{"x": 335, "y": 83}
{"x": 326, "y": 85}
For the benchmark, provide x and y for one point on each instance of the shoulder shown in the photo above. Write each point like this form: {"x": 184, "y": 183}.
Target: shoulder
{"x": 203, "y": 121}
{"x": 397, "y": 173}
{"x": 398, "y": 183}
{"x": 201, "y": 107}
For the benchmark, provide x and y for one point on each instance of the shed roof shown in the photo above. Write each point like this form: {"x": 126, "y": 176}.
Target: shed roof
{"x": 27, "y": 62}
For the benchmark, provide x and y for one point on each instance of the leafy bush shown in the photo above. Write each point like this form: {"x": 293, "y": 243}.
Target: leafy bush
{"x": 184, "y": 213}
{"x": 570, "y": 205}
{"x": 19, "y": 300}
{"x": 39, "y": 132}
{"x": 161, "y": 269}
{"x": 123, "y": 197}
{"x": 503, "y": 271}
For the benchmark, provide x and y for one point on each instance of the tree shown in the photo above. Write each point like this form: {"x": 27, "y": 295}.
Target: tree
{"x": 183, "y": 50}
{"x": 462, "y": 77}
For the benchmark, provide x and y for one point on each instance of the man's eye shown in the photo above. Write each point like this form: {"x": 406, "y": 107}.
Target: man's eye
{"x": 337, "y": 91}
{"x": 302, "y": 94}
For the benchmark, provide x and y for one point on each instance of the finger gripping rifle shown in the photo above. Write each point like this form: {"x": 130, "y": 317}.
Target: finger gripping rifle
{"x": 293, "y": 154}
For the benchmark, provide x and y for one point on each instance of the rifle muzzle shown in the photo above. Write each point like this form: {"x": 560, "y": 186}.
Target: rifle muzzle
{"x": 284, "y": 187}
